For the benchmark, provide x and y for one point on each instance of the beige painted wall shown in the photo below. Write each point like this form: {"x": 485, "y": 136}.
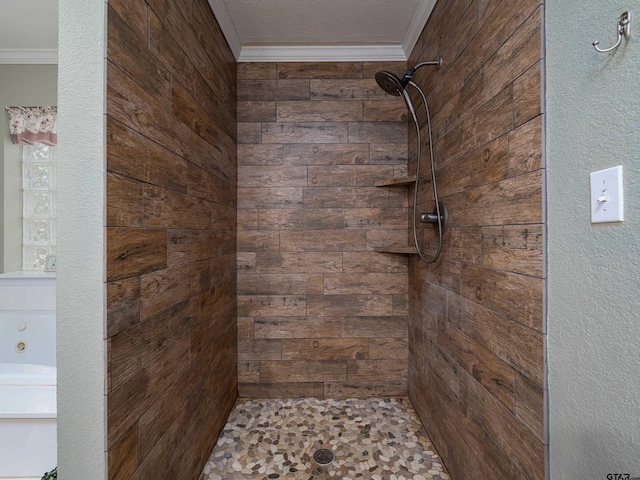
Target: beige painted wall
{"x": 593, "y": 106}
{"x": 25, "y": 85}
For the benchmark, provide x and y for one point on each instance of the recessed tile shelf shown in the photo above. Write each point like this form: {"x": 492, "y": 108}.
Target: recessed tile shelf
{"x": 397, "y": 182}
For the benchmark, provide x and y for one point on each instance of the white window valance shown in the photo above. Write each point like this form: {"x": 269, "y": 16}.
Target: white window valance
{"x": 32, "y": 125}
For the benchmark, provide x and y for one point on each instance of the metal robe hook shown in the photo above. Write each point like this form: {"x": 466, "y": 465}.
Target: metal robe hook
{"x": 624, "y": 29}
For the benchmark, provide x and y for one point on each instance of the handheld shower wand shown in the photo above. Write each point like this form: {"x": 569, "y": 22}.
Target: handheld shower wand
{"x": 394, "y": 85}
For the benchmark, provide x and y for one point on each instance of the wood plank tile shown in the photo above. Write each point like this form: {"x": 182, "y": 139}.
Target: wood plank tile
{"x": 377, "y": 132}
{"x": 346, "y": 90}
{"x": 279, "y": 284}
{"x": 135, "y": 348}
{"x": 249, "y": 133}
{"x": 375, "y": 370}
{"x": 326, "y": 154}
{"x": 280, "y": 390}
{"x": 272, "y": 305}
{"x": 377, "y": 218}
{"x": 272, "y": 90}
{"x": 374, "y": 327}
{"x": 387, "y": 111}
{"x": 372, "y": 262}
{"x": 527, "y": 100}
{"x": 388, "y": 348}
{"x": 267, "y": 176}
{"x": 188, "y": 246}
{"x": 517, "y": 345}
{"x": 250, "y": 241}
{"x": 123, "y": 456}
{"x": 126, "y": 403}
{"x": 338, "y": 197}
{"x": 516, "y": 249}
{"x": 260, "y": 155}
{"x": 369, "y": 69}
{"x": 128, "y": 103}
{"x": 300, "y": 371}
{"x": 257, "y": 111}
{"x": 518, "y": 297}
{"x": 482, "y": 166}
{"x": 124, "y": 202}
{"x": 207, "y": 186}
{"x": 319, "y": 111}
{"x": 260, "y": 349}
{"x": 306, "y": 219}
{"x": 525, "y": 147}
{"x": 319, "y": 70}
{"x": 324, "y": 349}
{"x": 134, "y": 155}
{"x": 366, "y": 389}
{"x": 524, "y": 449}
{"x": 487, "y": 369}
{"x": 365, "y": 283}
{"x": 329, "y": 241}
{"x": 248, "y": 219}
{"x": 248, "y": 371}
{"x": 127, "y": 48}
{"x": 310, "y": 132}
{"x": 247, "y": 262}
{"x": 257, "y": 71}
{"x": 517, "y": 200}
{"x": 348, "y": 175}
{"x": 298, "y": 262}
{"x": 162, "y": 289}
{"x": 167, "y": 209}
{"x": 490, "y": 121}
{"x": 530, "y": 405}
{"x": 297, "y": 327}
{"x": 134, "y": 251}
{"x": 388, "y": 154}
{"x": 123, "y": 305}
{"x": 351, "y": 305}
{"x": 280, "y": 197}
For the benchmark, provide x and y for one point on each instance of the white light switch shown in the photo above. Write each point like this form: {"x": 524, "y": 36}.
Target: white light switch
{"x": 607, "y": 202}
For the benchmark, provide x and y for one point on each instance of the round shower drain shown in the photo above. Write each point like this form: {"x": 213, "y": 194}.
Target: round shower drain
{"x": 323, "y": 456}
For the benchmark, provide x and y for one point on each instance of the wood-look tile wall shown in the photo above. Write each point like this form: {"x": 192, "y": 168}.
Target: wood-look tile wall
{"x": 320, "y": 313}
{"x": 171, "y": 237}
{"x": 476, "y": 329}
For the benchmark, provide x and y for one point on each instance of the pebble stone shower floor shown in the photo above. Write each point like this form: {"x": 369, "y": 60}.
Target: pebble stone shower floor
{"x": 378, "y": 439}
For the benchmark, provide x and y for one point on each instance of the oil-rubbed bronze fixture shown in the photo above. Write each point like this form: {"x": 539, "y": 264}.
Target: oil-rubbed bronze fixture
{"x": 624, "y": 30}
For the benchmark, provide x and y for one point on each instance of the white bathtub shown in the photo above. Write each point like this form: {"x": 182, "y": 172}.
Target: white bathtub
{"x": 28, "y": 445}
{"x": 27, "y": 375}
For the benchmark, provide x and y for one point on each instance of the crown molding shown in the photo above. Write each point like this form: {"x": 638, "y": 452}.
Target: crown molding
{"x": 326, "y": 53}
{"x": 29, "y": 56}
{"x": 226, "y": 25}
{"x": 418, "y": 22}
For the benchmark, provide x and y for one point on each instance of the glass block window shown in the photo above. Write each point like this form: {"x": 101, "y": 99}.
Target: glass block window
{"x": 38, "y": 205}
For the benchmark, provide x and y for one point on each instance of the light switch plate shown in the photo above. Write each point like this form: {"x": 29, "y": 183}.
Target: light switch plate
{"x": 607, "y": 201}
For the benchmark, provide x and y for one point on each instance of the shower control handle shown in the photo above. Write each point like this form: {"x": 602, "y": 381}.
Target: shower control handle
{"x": 432, "y": 218}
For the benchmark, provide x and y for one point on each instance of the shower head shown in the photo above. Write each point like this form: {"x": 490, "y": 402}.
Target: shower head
{"x": 394, "y": 85}
{"x": 391, "y": 83}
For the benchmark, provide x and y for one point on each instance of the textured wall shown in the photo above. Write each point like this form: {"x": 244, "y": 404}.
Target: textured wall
{"x": 594, "y": 329}
{"x": 80, "y": 302}
{"x": 476, "y": 370}
{"x": 170, "y": 237}
{"x": 19, "y": 85}
{"x": 320, "y": 313}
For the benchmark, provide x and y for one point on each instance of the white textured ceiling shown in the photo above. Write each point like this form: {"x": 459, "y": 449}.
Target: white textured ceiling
{"x": 321, "y": 30}
{"x": 28, "y": 27}
{"x": 321, "y": 22}
{"x": 257, "y": 30}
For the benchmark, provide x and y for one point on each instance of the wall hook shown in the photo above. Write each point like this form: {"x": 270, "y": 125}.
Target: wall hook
{"x": 624, "y": 29}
